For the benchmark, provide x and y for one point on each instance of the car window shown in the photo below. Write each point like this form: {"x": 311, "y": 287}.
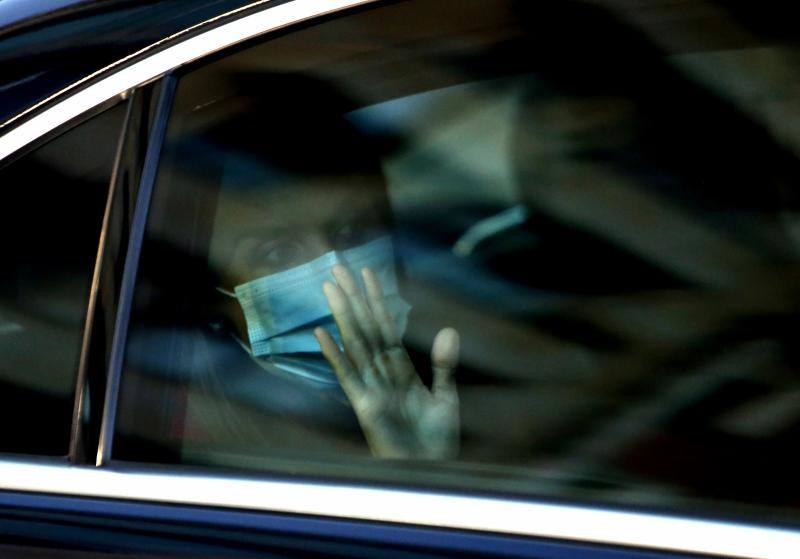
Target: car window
{"x": 53, "y": 199}
{"x": 580, "y": 261}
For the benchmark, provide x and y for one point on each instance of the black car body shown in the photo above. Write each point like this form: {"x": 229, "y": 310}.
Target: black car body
{"x": 110, "y": 72}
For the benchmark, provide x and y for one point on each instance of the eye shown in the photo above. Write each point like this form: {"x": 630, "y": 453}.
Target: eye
{"x": 275, "y": 254}
{"x": 348, "y": 235}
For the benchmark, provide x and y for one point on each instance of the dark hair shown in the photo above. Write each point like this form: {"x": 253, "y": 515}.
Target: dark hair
{"x": 294, "y": 125}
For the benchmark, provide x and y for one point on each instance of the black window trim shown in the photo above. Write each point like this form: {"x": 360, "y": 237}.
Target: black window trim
{"x": 148, "y": 179}
{"x": 81, "y": 382}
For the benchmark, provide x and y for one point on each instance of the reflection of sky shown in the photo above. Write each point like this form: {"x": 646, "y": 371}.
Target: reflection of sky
{"x": 456, "y": 143}
{"x": 456, "y": 151}
{"x": 391, "y": 116}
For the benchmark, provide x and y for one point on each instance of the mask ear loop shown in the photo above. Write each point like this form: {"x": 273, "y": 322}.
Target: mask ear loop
{"x": 224, "y": 291}
{"x": 233, "y": 335}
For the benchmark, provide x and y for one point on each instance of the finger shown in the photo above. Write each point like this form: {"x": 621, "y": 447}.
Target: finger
{"x": 384, "y": 366}
{"x": 348, "y": 377}
{"x": 354, "y": 343}
{"x": 379, "y": 311}
{"x": 401, "y": 368}
{"x": 444, "y": 357}
{"x": 364, "y": 318}
{"x": 398, "y": 364}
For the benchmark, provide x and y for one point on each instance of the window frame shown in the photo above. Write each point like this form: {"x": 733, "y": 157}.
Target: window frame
{"x": 448, "y": 510}
{"x": 128, "y": 284}
{"x": 92, "y": 307}
{"x": 105, "y": 295}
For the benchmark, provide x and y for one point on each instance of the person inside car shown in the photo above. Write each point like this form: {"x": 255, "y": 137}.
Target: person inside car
{"x": 302, "y": 239}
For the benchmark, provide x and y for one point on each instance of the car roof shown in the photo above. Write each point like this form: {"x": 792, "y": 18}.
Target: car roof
{"x": 50, "y": 44}
{"x": 14, "y": 12}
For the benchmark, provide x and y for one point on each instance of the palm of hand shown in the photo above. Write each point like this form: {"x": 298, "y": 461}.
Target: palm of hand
{"x": 400, "y": 416}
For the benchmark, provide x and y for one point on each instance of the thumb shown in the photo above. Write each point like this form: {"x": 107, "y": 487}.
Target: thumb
{"x": 444, "y": 356}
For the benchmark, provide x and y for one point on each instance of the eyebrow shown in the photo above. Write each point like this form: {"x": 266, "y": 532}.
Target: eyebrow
{"x": 275, "y": 227}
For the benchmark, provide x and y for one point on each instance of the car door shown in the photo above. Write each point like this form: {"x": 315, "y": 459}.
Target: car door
{"x": 581, "y": 340}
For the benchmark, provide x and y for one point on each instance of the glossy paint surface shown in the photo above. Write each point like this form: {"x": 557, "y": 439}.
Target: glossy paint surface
{"x": 118, "y": 527}
{"x": 112, "y": 525}
{"x": 16, "y": 11}
{"x": 41, "y": 55}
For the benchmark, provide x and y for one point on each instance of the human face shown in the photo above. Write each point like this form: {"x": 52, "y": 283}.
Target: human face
{"x": 261, "y": 231}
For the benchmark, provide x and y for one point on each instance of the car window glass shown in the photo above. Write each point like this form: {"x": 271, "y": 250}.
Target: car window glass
{"x": 50, "y": 217}
{"x": 587, "y": 258}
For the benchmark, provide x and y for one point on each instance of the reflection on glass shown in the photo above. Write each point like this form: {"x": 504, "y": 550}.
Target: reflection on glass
{"x": 52, "y": 206}
{"x": 580, "y": 265}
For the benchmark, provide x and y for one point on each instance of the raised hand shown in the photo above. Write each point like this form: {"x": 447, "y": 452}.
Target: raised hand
{"x": 400, "y": 416}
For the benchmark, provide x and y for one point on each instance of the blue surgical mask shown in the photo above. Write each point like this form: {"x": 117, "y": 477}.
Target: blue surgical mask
{"x": 283, "y": 309}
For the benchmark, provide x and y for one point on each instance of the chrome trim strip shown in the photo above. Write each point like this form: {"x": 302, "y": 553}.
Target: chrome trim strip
{"x": 159, "y": 63}
{"x": 483, "y": 514}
